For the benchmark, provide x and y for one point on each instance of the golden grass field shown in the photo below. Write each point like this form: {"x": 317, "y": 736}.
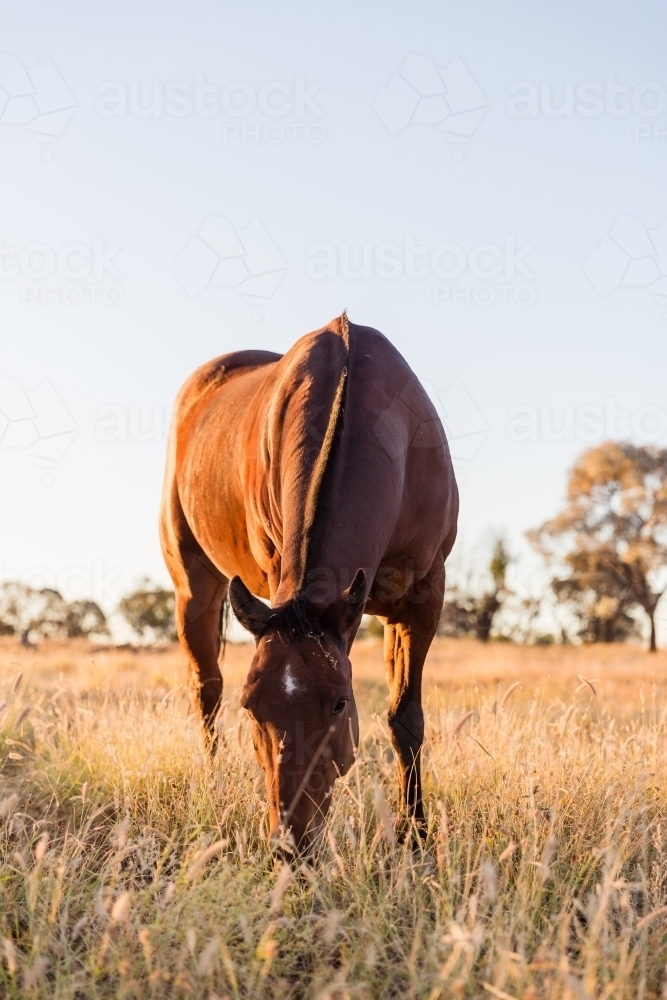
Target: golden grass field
{"x": 133, "y": 866}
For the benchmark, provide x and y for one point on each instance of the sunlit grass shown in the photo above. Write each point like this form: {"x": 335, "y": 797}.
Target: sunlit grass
{"x": 132, "y": 865}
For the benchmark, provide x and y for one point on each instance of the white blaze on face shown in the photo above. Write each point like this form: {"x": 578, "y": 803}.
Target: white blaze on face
{"x": 289, "y": 681}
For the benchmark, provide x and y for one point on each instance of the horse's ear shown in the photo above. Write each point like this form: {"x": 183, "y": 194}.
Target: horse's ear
{"x": 340, "y": 615}
{"x": 250, "y": 611}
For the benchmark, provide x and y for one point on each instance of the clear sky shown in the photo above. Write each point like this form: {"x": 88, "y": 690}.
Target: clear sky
{"x": 483, "y": 182}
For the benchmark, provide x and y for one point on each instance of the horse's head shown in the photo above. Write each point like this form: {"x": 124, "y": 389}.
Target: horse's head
{"x": 299, "y": 697}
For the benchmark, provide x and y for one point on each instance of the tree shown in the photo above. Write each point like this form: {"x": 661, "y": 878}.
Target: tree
{"x": 598, "y": 595}
{"x": 83, "y": 619}
{"x": 47, "y": 612}
{"x": 15, "y": 600}
{"x": 149, "y": 611}
{"x": 611, "y": 539}
{"x": 470, "y": 613}
{"x": 26, "y": 611}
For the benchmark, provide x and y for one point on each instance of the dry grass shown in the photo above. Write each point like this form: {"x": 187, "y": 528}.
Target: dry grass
{"x": 131, "y": 866}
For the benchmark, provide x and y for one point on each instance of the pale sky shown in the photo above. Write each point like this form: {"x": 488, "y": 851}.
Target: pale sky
{"x": 482, "y": 182}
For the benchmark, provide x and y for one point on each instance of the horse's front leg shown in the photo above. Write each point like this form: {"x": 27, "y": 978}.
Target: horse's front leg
{"x": 410, "y": 626}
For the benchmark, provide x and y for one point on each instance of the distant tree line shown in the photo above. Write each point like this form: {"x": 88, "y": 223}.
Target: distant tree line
{"x": 32, "y": 614}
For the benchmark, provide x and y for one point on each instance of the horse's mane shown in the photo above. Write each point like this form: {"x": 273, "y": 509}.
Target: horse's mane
{"x": 323, "y": 477}
{"x": 291, "y": 620}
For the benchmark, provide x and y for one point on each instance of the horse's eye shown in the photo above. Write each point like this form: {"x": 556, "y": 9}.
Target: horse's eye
{"x": 339, "y": 707}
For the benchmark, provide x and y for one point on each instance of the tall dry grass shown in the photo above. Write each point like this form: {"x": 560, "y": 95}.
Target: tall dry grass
{"x": 133, "y": 866}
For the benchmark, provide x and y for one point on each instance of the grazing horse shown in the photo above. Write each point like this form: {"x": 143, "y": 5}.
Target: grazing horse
{"x": 320, "y": 480}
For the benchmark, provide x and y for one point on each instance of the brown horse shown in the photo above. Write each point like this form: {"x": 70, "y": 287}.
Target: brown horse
{"x": 322, "y": 481}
